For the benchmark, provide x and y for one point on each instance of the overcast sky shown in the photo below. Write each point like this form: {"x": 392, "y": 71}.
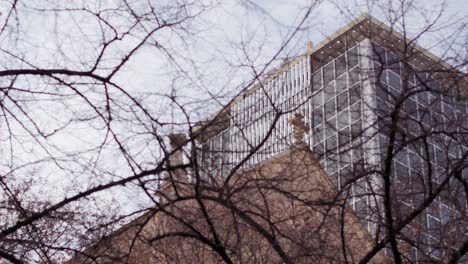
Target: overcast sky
{"x": 211, "y": 61}
{"x": 270, "y": 22}
{"x": 215, "y": 47}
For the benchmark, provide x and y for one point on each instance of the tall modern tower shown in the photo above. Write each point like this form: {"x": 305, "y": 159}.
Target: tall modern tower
{"x": 388, "y": 122}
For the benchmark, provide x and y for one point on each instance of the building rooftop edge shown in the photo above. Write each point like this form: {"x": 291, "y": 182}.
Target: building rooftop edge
{"x": 364, "y": 17}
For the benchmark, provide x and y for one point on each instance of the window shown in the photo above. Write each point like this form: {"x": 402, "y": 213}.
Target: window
{"x": 383, "y": 143}
{"x": 379, "y": 53}
{"x": 328, "y": 73}
{"x": 317, "y": 80}
{"x": 404, "y": 210}
{"x": 354, "y": 94}
{"x": 383, "y": 76}
{"x": 357, "y": 158}
{"x": 383, "y": 108}
{"x": 341, "y": 83}
{"x": 340, "y": 64}
{"x": 330, "y": 126}
{"x": 415, "y": 161}
{"x": 353, "y": 58}
{"x": 440, "y": 156}
{"x": 361, "y": 208}
{"x": 382, "y": 91}
{"x": 317, "y": 116}
{"x": 353, "y": 76}
{"x": 420, "y": 79}
{"x": 343, "y": 136}
{"x": 346, "y": 176}
{"x": 401, "y": 156}
{"x": 433, "y": 224}
{"x": 401, "y": 171}
{"x": 319, "y": 149}
{"x": 329, "y": 91}
{"x": 394, "y": 80}
{"x": 342, "y": 101}
{"x": 332, "y": 168}
{"x": 318, "y": 134}
{"x": 393, "y": 62}
{"x": 356, "y": 130}
{"x": 343, "y": 119}
{"x": 449, "y": 112}
{"x": 356, "y": 112}
{"x": 411, "y": 77}
{"x": 206, "y": 153}
{"x": 432, "y": 84}
{"x": 423, "y": 98}
{"x": 445, "y": 213}
{"x": 331, "y": 143}
{"x": 409, "y": 106}
{"x": 330, "y": 109}
{"x": 225, "y": 140}
{"x": 433, "y": 248}
{"x": 317, "y": 99}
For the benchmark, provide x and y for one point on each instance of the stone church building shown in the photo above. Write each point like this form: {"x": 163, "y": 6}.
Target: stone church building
{"x": 285, "y": 209}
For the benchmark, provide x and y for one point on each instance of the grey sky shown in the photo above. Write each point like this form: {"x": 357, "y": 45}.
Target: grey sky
{"x": 211, "y": 64}
{"x": 268, "y": 23}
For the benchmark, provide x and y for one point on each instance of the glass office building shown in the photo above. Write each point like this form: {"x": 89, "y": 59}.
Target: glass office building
{"x": 359, "y": 93}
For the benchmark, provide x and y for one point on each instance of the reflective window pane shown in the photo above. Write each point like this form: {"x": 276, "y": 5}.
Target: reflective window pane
{"x": 328, "y": 73}
{"x": 340, "y": 65}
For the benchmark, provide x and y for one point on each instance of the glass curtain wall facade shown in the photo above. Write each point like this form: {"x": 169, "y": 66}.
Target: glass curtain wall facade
{"x": 348, "y": 104}
{"x": 432, "y": 119}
